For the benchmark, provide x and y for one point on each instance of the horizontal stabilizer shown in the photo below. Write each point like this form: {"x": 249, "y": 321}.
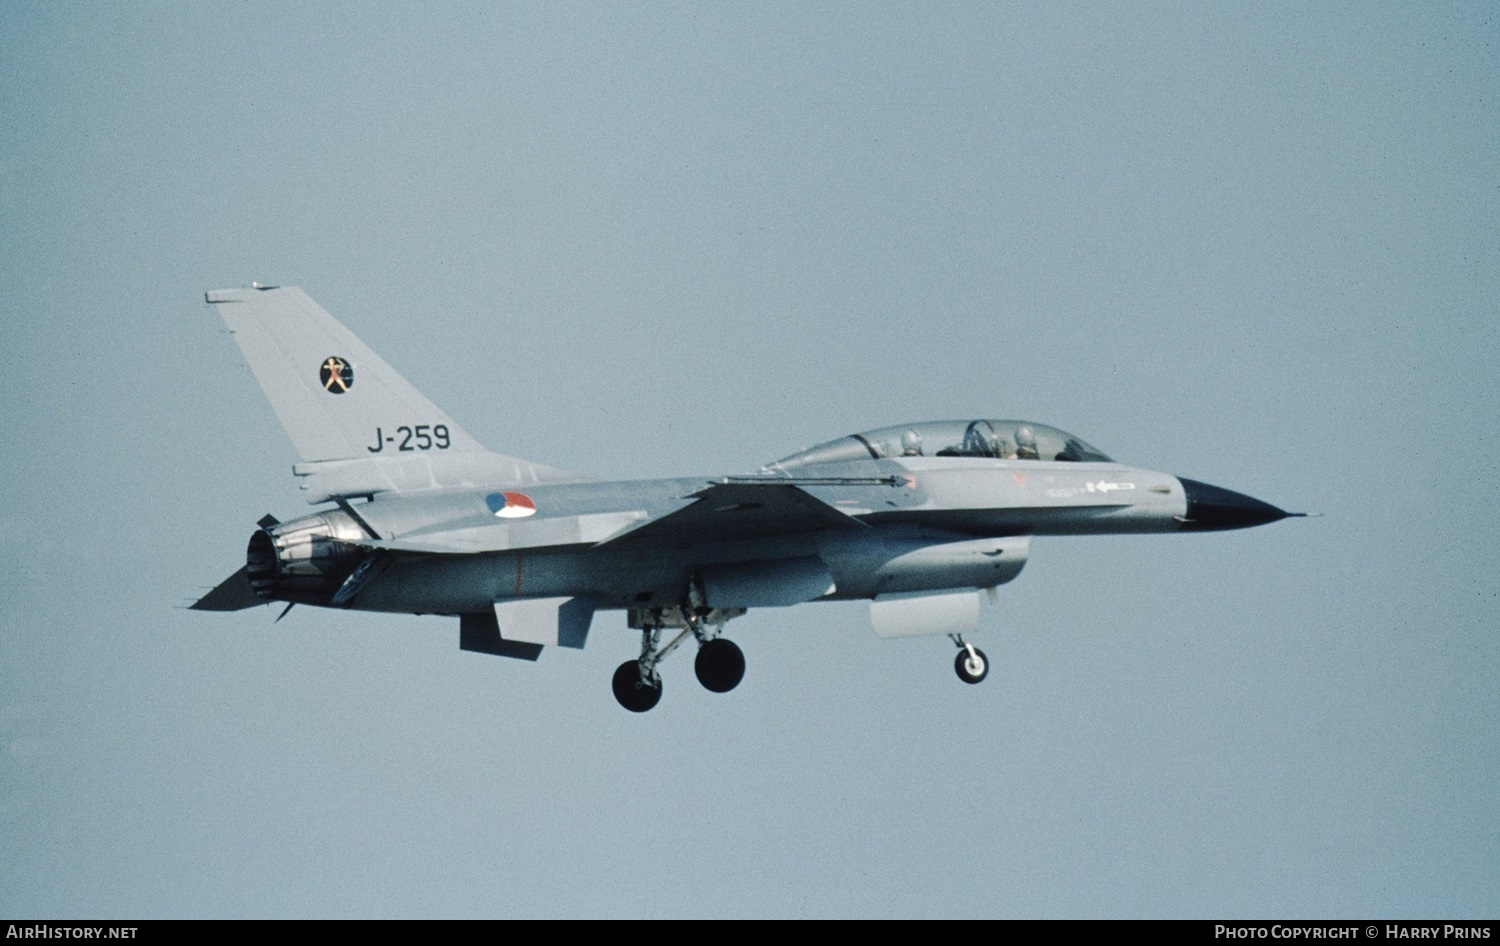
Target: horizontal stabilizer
{"x": 732, "y": 511}
{"x": 232, "y": 594}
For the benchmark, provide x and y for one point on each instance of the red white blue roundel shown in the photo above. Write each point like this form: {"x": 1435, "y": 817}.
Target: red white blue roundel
{"x": 510, "y": 505}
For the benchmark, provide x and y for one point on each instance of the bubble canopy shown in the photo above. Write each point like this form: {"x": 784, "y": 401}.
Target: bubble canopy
{"x": 991, "y": 439}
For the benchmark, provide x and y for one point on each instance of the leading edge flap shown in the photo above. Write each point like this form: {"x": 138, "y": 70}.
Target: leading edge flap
{"x": 731, "y": 511}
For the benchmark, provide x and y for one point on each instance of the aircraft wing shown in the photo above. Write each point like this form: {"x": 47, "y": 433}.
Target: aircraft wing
{"x": 730, "y": 511}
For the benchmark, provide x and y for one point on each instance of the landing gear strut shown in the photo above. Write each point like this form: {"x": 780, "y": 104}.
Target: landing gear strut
{"x": 971, "y": 664}
{"x": 720, "y": 664}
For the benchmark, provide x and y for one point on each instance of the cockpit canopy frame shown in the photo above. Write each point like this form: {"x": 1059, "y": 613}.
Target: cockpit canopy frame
{"x": 989, "y": 439}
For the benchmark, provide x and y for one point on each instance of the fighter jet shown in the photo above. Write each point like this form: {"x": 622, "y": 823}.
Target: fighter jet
{"x": 918, "y": 519}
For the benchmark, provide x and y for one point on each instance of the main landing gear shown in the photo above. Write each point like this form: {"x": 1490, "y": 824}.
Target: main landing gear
{"x": 632, "y": 689}
{"x": 971, "y": 664}
{"x": 720, "y": 664}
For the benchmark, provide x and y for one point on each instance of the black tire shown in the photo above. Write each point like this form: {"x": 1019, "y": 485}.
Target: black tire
{"x": 720, "y": 665}
{"x": 632, "y": 694}
{"x": 970, "y": 671}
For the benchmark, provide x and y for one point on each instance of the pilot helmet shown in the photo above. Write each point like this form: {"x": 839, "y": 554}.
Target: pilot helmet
{"x": 911, "y": 444}
{"x": 1026, "y": 441}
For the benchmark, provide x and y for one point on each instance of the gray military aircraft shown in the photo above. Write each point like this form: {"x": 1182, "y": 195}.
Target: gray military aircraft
{"x": 917, "y": 519}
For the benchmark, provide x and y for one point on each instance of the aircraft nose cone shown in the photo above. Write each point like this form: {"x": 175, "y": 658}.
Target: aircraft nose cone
{"x": 1213, "y": 508}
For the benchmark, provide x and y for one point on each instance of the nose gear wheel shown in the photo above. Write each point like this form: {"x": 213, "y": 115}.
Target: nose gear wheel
{"x": 971, "y": 664}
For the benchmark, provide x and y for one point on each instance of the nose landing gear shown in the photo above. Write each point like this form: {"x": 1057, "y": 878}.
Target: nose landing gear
{"x": 971, "y": 664}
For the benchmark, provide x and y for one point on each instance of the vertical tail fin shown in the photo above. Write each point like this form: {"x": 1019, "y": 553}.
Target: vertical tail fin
{"x": 358, "y": 426}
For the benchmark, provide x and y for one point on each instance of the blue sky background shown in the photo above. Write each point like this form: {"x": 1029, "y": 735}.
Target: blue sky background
{"x": 1256, "y": 246}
